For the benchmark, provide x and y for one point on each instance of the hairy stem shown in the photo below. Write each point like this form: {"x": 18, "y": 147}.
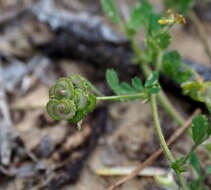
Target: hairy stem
{"x": 162, "y": 139}
{"x": 164, "y": 101}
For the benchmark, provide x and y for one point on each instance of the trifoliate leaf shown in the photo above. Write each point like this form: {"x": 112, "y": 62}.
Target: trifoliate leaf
{"x": 137, "y": 84}
{"x": 110, "y": 10}
{"x": 200, "y": 129}
{"x": 113, "y": 82}
{"x": 194, "y": 162}
{"x": 126, "y": 89}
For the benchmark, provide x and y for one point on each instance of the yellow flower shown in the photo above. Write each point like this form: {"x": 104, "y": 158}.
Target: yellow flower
{"x": 163, "y": 21}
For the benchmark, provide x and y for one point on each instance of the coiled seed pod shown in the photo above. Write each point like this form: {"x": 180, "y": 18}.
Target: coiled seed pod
{"x": 80, "y": 99}
{"x": 61, "y": 109}
{"x": 70, "y": 99}
{"x": 62, "y": 89}
{"x": 79, "y": 82}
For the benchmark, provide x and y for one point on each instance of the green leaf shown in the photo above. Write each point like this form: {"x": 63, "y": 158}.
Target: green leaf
{"x": 137, "y": 84}
{"x": 110, "y": 10}
{"x": 126, "y": 88}
{"x": 118, "y": 88}
{"x": 140, "y": 14}
{"x": 113, "y": 81}
{"x": 193, "y": 89}
{"x": 194, "y": 162}
{"x": 153, "y": 25}
{"x": 199, "y": 91}
{"x": 200, "y": 129}
{"x": 163, "y": 40}
{"x": 174, "y": 68}
{"x": 152, "y": 86}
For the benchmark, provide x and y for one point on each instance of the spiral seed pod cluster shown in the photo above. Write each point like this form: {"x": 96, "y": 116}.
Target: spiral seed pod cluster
{"x": 70, "y": 99}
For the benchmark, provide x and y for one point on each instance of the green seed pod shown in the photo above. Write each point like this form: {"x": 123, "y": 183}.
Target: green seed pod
{"x": 91, "y": 103}
{"x": 70, "y": 99}
{"x": 80, "y": 99}
{"x": 79, "y": 82}
{"x": 62, "y": 89}
{"x": 78, "y": 116}
{"x": 61, "y": 109}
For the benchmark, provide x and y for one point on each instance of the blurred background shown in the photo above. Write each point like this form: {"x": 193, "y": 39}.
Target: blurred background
{"x": 42, "y": 40}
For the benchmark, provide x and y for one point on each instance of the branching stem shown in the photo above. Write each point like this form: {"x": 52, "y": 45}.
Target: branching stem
{"x": 162, "y": 139}
{"x": 164, "y": 101}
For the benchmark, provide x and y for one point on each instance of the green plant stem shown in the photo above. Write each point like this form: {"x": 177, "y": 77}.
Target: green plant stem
{"x": 158, "y": 129}
{"x": 166, "y": 104}
{"x": 120, "y": 97}
{"x": 159, "y": 61}
{"x": 181, "y": 180}
{"x": 162, "y": 139}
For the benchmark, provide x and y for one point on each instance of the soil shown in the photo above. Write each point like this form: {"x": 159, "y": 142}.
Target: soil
{"x": 54, "y": 155}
